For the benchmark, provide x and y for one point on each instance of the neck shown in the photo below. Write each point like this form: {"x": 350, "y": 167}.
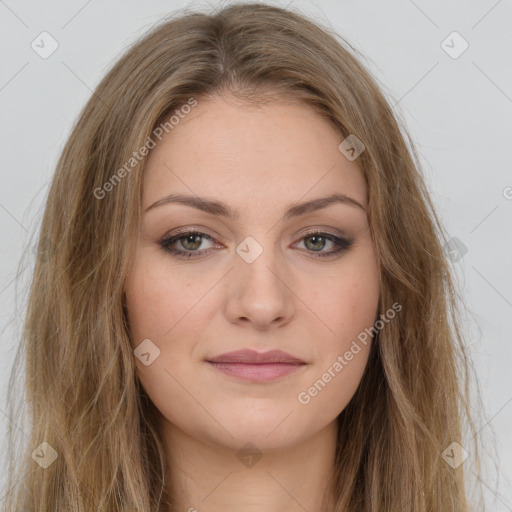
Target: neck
{"x": 208, "y": 477}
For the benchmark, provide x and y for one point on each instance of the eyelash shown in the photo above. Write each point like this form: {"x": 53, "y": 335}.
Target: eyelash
{"x": 342, "y": 243}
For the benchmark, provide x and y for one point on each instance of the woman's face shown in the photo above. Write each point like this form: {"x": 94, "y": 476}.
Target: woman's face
{"x": 258, "y": 279}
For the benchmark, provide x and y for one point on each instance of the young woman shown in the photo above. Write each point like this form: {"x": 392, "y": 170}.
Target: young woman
{"x": 241, "y": 299}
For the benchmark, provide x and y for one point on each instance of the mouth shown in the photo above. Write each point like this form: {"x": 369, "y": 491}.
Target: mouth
{"x": 253, "y": 366}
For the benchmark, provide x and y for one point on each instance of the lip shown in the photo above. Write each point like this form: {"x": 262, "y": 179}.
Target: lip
{"x": 255, "y": 366}
{"x": 253, "y": 357}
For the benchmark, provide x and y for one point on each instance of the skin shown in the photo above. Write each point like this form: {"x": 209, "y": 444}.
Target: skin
{"x": 258, "y": 160}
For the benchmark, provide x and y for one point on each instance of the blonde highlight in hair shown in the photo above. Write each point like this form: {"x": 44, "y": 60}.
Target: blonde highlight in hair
{"x": 82, "y": 392}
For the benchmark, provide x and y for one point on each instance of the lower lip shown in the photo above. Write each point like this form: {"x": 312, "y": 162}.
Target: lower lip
{"x": 264, "y": 372}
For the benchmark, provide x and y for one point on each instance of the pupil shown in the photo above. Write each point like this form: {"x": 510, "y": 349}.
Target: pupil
{"x": 192, "y": 239}
{"x": 316, "y": 239}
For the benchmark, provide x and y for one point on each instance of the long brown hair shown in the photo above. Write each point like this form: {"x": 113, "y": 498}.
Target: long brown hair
{"x": 82, "y": 393}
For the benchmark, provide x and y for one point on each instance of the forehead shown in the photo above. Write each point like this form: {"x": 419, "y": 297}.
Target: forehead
{"x": 273, "y": 153}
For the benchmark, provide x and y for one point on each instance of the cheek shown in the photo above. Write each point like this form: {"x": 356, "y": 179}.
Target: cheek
{"x": 348, "y": 311}
{"x": 172, "y": 310}
{"x": 160, "y": 307}
{"x": 347, "y": 302}
{"x": 158, "y": 299}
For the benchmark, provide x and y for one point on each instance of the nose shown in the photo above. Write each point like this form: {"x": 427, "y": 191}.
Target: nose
{"x": 260, "y": 292}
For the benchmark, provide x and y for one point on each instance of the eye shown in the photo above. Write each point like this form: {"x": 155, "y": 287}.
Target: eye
{"x": 316, "y": 241}
{"x": 190, "y": 242}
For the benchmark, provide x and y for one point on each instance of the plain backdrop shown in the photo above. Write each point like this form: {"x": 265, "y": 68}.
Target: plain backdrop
{"x": 454, "y": 92}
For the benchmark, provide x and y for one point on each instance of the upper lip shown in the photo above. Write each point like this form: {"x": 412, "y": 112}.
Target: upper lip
{"x": 253, "y": 357}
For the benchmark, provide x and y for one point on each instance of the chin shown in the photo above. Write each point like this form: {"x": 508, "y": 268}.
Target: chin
{"x": 268, "y": 432}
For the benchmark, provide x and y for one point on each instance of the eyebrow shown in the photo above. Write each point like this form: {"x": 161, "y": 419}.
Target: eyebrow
{"x": 219, "y": 208}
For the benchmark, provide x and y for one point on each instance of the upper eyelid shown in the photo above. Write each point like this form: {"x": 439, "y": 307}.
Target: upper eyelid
{"x": 183, "y": 234}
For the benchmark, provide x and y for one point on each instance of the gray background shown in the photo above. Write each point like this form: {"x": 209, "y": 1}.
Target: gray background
{"x": 458, "y": 111}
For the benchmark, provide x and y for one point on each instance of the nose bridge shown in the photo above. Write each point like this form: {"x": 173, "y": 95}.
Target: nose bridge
{"x": 260, "y": 292}
{"x": 258, "y": 259}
